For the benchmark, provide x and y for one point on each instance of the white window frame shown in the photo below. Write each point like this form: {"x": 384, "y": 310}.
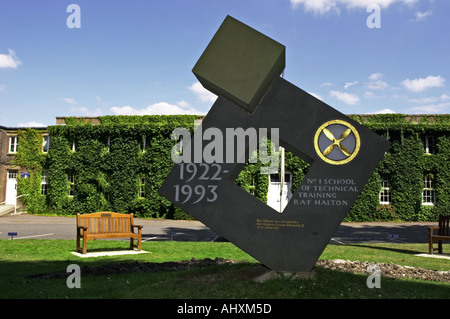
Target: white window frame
{"x": 428, "y": 193}
{"x": 13, "y": 144}
{"x": 44, "y": 182}
{"x": 144, "y": 143}
{"x": 45, "y": 143}
{"x": 385, "y": 192}
{"x": 142, "y": 181}
{"x": 71, "y": 184}
{"x": 429, "y": 144}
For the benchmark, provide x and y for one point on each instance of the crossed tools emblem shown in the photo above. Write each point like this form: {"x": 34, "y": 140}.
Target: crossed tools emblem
{"x": 337, "y": 142}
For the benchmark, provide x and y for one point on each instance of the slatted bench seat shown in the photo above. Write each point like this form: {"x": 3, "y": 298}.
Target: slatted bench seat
{"x": 107, "y": 225}
{"x": 443, "y": 233}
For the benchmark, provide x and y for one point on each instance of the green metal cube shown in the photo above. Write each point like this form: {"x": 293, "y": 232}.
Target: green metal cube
{"x": 240, "y": 64}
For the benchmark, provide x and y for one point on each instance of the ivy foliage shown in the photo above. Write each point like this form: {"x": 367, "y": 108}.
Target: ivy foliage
{"x": 252, "y": 180}
{"x": 107, "y": 162}
{"x": 114, "y": 169}
{"x": 30, "y": 157}
{"x": 405, "y": 166}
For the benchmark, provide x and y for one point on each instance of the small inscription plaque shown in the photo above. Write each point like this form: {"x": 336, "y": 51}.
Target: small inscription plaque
{"x": 271, "y": 224}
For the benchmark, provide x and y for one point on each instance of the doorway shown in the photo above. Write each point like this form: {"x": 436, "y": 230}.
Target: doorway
{"x": 11, "y": 187}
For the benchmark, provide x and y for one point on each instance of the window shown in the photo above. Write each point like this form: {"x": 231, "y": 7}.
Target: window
{"x": 71, "y": 184}
{"x": 13, "y": 173}
{"x": 428, "y": 196}
{"x": 180, "y": 145}
{"x": 44, "y": 183}
{"x": 429, "y": 144}
{"x": 385, "y": 193}
{"x": 108, "y": 143}
{"x": 141, "y": 187}
{"x": 252, "y": 186}
{"x": 13, "y": 144}
{"x": 46, "y": 144}
{"x": 275, "y": 178}
{"x": 144, "y": 143}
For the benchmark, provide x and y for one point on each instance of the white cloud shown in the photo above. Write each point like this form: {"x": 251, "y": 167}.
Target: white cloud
{"x": 377, "y": 85}
{"x": 327, "y": 84}
{"x": 69, "y": 100}
{"x": 382, "y": 3}
{"x": 3, "y": 88}
{"x": 420, "y": 16}
{"x": 375, "y": 76}
{"x": 81, "y": 110}
{"x": 31, "y": 124}
{"x": 421, "y": 84}
{"x": 325, "y": 6}
{"x": 202, "y": 94}
{"x": 383, "y": 111}
{"x": 350, "y": 84}
{"x": 345, "y": 97}
{"x": 431, "y": 108}
{"x": 161, "y": 108}
{"x": 316, "y": 6}
{"x": 409, "y": 2}
{"x": 9, "y": 60}
{"x": 372, "y": 95}
{"x": 85, "y": 111}
{"x": 430, "y": 99}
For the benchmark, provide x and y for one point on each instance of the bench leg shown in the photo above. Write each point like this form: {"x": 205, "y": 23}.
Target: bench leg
{"x": 84, "y": 245}
{"x": 81, "y": 249}
{"x": 430, "y": 241}
{"x": 440, "y": 246}
{"x": 78, "y": 243}
{"x": 138, "y": 243}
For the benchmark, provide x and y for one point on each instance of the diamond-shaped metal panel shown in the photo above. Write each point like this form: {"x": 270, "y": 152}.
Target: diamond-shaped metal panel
{"x": 342, "y": 153}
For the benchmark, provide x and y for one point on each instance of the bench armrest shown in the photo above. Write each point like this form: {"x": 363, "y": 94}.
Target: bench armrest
{"x": 81, "y": 230}
{"x": 431, "y": 229}
{"x": 138, "y": 226}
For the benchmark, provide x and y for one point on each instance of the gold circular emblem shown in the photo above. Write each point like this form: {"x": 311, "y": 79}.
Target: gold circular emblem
{"x": 337, "y": 151}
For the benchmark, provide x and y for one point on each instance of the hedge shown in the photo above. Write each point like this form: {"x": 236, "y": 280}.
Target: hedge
{"x": 112, "y": 167}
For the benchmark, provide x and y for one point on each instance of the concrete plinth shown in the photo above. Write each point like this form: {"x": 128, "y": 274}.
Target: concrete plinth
{"x": 272, "y": 274}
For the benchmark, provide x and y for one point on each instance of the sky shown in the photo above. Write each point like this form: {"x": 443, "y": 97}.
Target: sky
{"x": 110, "y": 57}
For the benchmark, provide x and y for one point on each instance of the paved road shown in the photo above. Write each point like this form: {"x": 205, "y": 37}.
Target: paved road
{"x": 49, "y": 227}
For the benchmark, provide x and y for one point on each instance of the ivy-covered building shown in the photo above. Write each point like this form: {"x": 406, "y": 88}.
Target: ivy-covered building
{"x": 9, "y": 170}
{"x": 117, "y": 163}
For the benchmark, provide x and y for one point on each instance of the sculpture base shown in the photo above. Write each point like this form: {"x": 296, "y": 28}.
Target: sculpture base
{"x": 265, "y": 274}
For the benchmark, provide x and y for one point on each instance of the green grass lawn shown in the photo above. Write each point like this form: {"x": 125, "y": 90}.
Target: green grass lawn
{"x": 22, "y": 258}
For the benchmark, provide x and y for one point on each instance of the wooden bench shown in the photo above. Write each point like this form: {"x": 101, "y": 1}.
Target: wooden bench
{"x": 443, "y": 233}
{"x": 106, "y": 225}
